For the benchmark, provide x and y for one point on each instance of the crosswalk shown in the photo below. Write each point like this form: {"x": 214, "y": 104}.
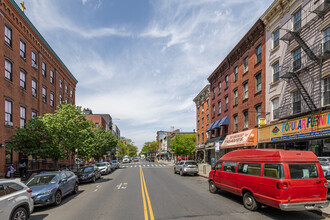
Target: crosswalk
{"x": 143, "y": 165}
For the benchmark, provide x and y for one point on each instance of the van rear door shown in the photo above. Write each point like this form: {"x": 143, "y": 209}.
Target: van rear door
{"x": 307, "y": 182}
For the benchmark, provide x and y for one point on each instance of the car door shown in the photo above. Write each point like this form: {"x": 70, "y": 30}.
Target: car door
{"x": 5, "y": 205}
{"x": 71, "y": 180}
{"x": 12, "y": 197}
{"x": 64, "y": 184}
{"x": 217, "y": 174}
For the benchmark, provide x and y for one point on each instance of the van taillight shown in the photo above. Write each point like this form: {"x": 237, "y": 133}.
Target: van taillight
{"x": 29, "y": 190}
{"x": 282, "y": 185}
{"x": 325, "y": 184}
{"x": 196, "y": 165}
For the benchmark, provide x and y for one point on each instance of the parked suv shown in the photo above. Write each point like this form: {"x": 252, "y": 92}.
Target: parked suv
{"x": 15, "y": 200}
{"x": 325, "y": 164}
{"x": 186, "y": 167}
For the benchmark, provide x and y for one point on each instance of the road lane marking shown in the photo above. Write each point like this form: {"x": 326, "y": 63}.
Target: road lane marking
{"x": 139, "y": 165}
{"x": 147, "y": 195}
{"x": 135, "y": 165}
{"x": 145, "y": 210}
{"x": 118, "y": 186}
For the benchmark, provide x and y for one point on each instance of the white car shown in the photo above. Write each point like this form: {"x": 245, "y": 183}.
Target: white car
{"x": 15, "y": 200}
{"x": 126, "y": 160}
{"x": 104, "y": 167}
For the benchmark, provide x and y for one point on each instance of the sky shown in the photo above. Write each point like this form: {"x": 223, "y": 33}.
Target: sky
{"x": 143, "y": 61}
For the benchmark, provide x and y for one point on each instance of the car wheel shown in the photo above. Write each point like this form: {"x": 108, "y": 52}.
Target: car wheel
{"x": 75, "y": 188}
{"x": 58, "y": 198}
{"x": 249, "y": 202}
{"x": 174, "y": 171}
{"x": 212, "y": 187}
{"x": 181, "y": 173}
{"x": 94, "y": 179}
{"x": 20, "y": 214}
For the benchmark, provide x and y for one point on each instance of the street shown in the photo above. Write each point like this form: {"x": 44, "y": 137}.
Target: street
{"x": 119, "y": 196}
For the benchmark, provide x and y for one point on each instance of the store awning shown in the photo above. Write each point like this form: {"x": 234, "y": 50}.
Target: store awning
{"x": 241, "y": 139}
{"x": 223, "y": 121}
{"x": 210, "y": 127}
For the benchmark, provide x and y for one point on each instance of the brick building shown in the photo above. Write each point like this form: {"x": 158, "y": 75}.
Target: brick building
{"x": 34, "y": 79}
{"x": 104, "y": 120}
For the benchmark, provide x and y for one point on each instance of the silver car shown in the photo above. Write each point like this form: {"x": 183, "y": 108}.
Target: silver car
{"x": 15, "y": 200}
{"x": 186, "y": 167}
{"x": 325, "y": 164}
{"x": 104, "y": 167}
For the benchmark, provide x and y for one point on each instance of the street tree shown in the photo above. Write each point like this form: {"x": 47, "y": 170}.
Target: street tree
{"x": 183, "y": 144}
{"x": 103, "y": 142}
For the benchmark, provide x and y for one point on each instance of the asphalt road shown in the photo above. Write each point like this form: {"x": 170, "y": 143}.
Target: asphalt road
{"x": 120, "y": 194}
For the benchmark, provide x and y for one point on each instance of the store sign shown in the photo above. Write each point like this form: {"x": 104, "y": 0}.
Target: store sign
{"x": 217, "y": 146}
{"x": 309, "y": 126}
{"x": 241, "y": 139}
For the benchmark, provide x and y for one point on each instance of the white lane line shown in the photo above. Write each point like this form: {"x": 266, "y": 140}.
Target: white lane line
{"x": 119, "y": 186}
{"x": 124, "y": 186}
{"x": 139, "y": 165}
{"x": 131, "y": 166}
{"x": 148, "y": 165}
{"x": 135, "y": 165}
{"x": 152, "y": 165}
{"x": 95, "y": 190}
{"x": 144, "y": 165}
{"x": 98, "y": 186}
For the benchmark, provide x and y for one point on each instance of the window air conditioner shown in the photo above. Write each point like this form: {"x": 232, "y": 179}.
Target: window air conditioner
{"x": 10, "y": 123}
{"x": 34, "y": 66}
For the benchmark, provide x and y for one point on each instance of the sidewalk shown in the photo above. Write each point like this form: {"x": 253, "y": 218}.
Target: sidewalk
{"x": 326, "y": 212}
{"x": 204, "y": 170}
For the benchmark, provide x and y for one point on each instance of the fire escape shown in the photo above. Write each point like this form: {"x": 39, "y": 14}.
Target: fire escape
{"x": 295, "y": 35}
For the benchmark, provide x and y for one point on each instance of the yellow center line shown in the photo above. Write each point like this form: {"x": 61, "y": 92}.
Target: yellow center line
{"x": 144, "y": 199}
{"x": 149, "y": 204}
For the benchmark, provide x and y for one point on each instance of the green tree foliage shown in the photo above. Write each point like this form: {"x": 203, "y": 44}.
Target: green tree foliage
{"x": 149, "y": 147}
{"x": 126, "y": 147}
{"x": 183, "y": 144}
{"x": 103, "y": 142}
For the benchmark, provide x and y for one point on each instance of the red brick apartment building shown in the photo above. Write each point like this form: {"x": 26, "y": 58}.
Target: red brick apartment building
{"x": 34, "y": 79}
{"x": 238, "y": 92}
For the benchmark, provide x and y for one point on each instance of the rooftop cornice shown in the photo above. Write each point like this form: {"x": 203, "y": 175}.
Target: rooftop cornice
{"x": 277, "y": 8}
{"x": 202, "y": 94}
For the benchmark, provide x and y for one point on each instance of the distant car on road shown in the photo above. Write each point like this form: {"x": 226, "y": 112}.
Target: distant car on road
{"x": 15, "y": 200}
{"x": 136, "y": 159}
{"x": 115, "y": 163}
{"x": 126, "y": 160}
{"x": 104, "y": 167}
{"x": 49, "y": 188}
{"x": 88, "y": 174}
{"x": 186, "y": 167}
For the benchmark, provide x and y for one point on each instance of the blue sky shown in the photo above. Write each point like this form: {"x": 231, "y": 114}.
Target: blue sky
{"x": 143, "y": 61}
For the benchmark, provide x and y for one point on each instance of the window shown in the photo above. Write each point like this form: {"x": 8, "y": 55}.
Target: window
{"x": 22, "y": 116}
{"x": 229, "y": 167}
{"x": 60, "y": 83}
{"x": 202, "y": 107}
{"x": 8, "y": 70}
{"x": 8, "y": 35}
{"x": 203, "y": 137}
{"x": 198, "y": 124}
{"x": 258, "y": 53}
{"x": 276, "y": 74}
{"x": 235, "y": 73}
{"x": 246, "y": 90}
{"x": 51, "y": 99}
{"x": 9, "y": 156}
{"x": 22, "y": 48}
{"x": 219, "y": 87}
{"x": 218, "y": 166}
{"x": 258, "y": 82}
{"x": 226, "y": 103}
{"x": 2, "y": 190}
{"x": 44, "y": 94}
{"x": 202, "y": 122}
{"x": 71, "y": 95}
{"x": 96, "y": 125}
{"x": 13, "y": 187}
{"x": 66, "y": 89}
{"x": 66, "y": 100}
{"x": 296, "y": 19}
{"x": 296, "y": 102}
{"x": 34, "y": 59}
{"x": 34, "y": 87}
{"x": 51, "y": 76}
{"x": 326, "y": 40}
{"x": 207, "y": 104}
{"x": 44, "y": 69}
{"x": 213, "y": 110}
{"x": 326, "y": 91}
{"x": 276, "y": 38}
{"x": 258, "y": 114}
{"x": 207, "y": 120}
{"x": 22, "y": 82}
{"x": 213, "y": 93}
{"x": 235, "y": 123}
{"x": 34, "y": 113}
{"x": 276, "y": 114}
{"x": 253, "y": 169}
{"x": 296, "y": 59}
{"x": 198, "y": 139}
{"x": 8, "y": 112}
{"x": 246, "y": 64}
{"x": 226, "y": 80}
{"x": 60, "y": 99}
{"x": 219, "y": 107}
{"x": 303, "y": 171}
{"x": 246, "y": 119}
{"x": 275, "y": 171}
{"x": 235, "y": 97}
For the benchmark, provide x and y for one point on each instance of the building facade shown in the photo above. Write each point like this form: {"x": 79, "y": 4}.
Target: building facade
{"x": 34, "y": 79}
{"x": 116, "y": 131}
{"x": 298, "y": 70}
{"x": 104, "y": 120}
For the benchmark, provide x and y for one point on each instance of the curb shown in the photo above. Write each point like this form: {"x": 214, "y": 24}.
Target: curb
{"x": 321, "y": 213}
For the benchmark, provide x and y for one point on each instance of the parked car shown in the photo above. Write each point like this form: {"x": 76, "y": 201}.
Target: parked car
{"x": 115, "y": 163}
{"x": 104, "y": 167}
{"x": 15, "y": 200}
{"x": 136, "y": 159}
{"x": 287, "y": 180}
{"x": 150, "y": 159}
{"x": 49, "y": 188}
{"x": 186, "y": 167}
{"x": 126, "y": 160}
{"x": 112, "y": 167}
{"x": 325, "y": 164}
{"x": 88, "y": 174}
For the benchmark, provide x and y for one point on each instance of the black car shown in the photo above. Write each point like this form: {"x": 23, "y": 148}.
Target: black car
{"x": 88, "y": 174}
{"x": 151, "y": 159}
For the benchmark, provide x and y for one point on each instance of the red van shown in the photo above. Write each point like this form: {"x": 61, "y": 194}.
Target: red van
{"x": 288, "y": 180}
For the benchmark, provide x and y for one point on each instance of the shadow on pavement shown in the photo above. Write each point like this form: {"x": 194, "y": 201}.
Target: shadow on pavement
{"x": 38, "y": 217}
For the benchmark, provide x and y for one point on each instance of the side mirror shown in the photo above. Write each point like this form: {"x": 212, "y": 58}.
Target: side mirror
{"x": 64, "y": 180}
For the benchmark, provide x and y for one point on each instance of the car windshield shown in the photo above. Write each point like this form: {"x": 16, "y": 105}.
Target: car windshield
{"x": 101, "y": 164}
{"x": 43, "y": 180}
{"x": 86, "y": 170}
{"x": 191, "y": 163}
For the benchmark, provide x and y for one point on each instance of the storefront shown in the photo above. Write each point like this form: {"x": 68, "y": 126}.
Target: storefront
{"x": 242, "y": 140}
{"x": 311, "y": 132}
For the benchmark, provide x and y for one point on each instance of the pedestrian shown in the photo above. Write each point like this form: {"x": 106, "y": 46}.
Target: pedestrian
{"x": 11, "y": 170}
{"x": 22, "y": 168}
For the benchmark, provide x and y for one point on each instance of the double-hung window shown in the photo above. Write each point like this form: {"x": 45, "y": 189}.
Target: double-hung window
{"x": 296, "y": 19}
{"x": 235, "y": 97}
{"x": 51, "y": 76}
{"x": 44, "y": 94}
{"x": 44, "y": 69}
{"x": 213, "y": 93}
{"x": 34, "y": 59}
{"x": 8, "y": 35}
{"x": 258, "y": 114}
{"x": 226, "y": 103}
{"x": 22, "y": 47}
{"x": 70, "y": 93}
{"x": 235, "y": 73}
{"x": 246, "y": 119}
{"x": 246, "y": 90}
{"x": 326, "y": 91}
{"x": 219, "y": 107}
{"x": 276, "y": 74}
{"x": 219, "y": 87}
{"x": 276, "y": 38}
{"x": 296, "y": 102}
{"x": 296, "y": 59}
{"x": 60, "y": 83}
{"x": 51, "y": 99}
{"x": 226, "y": 80}
{"x": 22, "y": 82}
{"x": 22, "y": 116}
{"x": 258, "y": 54}
{"x": 258, "y": 82}
{"x": 246, "y": 64}
{"x": 34, "y": 113}
{"x": 8, "y": 112}
{"x": 326, "y": 40}
{"x": 275, "y": 104}
{"x": 213, "y": 110}
{"x": 34, "y": 87}
{"x": 8, "y": 70}
{"x": 235, "y": 123}
{"x": 60, "y": 99}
